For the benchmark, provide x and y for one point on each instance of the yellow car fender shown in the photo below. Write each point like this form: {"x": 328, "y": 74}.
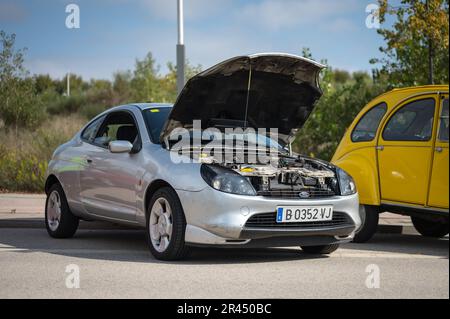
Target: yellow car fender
{"x": 363, "y": 168}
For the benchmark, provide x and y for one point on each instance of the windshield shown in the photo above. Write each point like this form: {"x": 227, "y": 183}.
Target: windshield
{"x": 155, "y": 119}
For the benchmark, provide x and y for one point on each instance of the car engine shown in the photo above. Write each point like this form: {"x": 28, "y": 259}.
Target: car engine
{"x": 282, "y": 175}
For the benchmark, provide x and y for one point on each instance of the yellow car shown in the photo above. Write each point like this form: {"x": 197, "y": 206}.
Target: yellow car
{"x": 396, "y": 150}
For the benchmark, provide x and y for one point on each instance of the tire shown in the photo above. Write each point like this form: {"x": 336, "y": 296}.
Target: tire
{"x": 320, "y": 250}
{"x": 59, "y": 220}
{"x": 430, "y": 228}
{"x": 369, "y": 223}
{"x": 165, "y": 232}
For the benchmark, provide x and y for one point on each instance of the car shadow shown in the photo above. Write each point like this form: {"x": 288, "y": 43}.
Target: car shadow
{"x": 130, "y": 246}
{"x": 404, "y": 244}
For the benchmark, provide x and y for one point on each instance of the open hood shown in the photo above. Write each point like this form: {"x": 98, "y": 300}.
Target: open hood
{"x": 270, "y": 90}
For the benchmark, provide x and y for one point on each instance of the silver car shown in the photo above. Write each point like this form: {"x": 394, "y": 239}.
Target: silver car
{"x": 129, "y": 166}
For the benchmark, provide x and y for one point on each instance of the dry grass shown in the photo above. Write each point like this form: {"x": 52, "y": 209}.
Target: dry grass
{"x": 24, "y": 158}
{"x": 42, "y": 141}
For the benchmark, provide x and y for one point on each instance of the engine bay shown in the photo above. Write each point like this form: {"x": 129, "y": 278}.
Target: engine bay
{"x": 284, "y": 176}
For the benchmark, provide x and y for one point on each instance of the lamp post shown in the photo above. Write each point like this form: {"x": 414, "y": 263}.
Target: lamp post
{"x": 180, "y": 49}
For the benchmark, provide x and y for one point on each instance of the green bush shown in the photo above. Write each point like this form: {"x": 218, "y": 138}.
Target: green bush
{"x": 66, "y": 104}
{"x": 91, "y": 110}
{"x": 21, "y": 172}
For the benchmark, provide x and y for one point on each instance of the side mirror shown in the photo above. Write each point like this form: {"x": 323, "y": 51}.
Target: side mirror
{"x": 120, "y": 147}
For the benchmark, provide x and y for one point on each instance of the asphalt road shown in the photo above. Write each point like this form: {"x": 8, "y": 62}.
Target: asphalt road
{"x": 116, "y": 264}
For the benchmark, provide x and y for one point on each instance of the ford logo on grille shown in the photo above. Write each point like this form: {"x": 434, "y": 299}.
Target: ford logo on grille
{"x": 303, "y": 194}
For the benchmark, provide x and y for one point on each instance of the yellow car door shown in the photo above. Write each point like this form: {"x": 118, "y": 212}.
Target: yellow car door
{"x": 405, "y": 149}
{"x": 438, "y": 195}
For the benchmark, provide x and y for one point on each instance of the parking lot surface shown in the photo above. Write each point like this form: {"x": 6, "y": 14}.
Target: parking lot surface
{"x": 114, "y": 262}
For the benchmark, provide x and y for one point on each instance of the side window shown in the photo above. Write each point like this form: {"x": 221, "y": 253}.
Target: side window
{"x": 117, "y": 126}
{"x": 366, "y": 129}
{"x": 443, "y": 122}
{"x": 412, "y": 122}
{"x": 89, "y": 132}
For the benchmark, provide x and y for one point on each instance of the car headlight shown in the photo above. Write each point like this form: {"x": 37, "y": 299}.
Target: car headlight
{"x": 346, "y": 183}
{"x": 226, "y": 180}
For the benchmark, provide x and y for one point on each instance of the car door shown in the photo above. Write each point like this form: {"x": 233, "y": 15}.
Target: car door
{"x": 438, "y": 195}
{"x": 405, "y": 149}
{"x": 108, "y": 184}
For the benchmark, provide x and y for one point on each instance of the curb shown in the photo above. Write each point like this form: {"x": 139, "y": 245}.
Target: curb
{"x": 36, "y": 223}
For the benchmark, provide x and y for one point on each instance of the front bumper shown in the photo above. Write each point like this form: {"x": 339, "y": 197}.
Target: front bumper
{"x": 218, "y": 218}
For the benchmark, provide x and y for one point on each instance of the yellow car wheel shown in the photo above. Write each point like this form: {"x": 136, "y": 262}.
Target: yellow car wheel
{"x": 369, "y": 223}
{"x": 430, "y": 228}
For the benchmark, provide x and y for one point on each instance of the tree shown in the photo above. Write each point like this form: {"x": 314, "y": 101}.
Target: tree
{"x": 417, "y": 44}
{"x": 148, "y": 86}
{"x": 344, "y": 95}
{"x": 122, "y": 87}
{"x": 77, "y": 85}
{"x": 43, "y": 83}
{"x": 145, "y": 84}
{"x": 169, "y": 82}
{"x": 334, "y": 112}
{"x": 19, "y": 105}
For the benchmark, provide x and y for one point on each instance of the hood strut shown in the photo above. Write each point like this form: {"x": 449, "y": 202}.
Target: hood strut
{"x": 249, "y": 86}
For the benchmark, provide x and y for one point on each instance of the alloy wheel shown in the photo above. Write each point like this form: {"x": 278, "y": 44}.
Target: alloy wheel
{"x": 160, "y": 224}
{"x": 54, "y": 211}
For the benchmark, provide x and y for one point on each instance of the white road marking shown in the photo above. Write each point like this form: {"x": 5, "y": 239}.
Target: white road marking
{"x": 369, "y": 254}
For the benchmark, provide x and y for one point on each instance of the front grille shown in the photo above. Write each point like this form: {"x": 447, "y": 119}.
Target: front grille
{"x": 313, "y": 193}
{"x": 268, "y": 220}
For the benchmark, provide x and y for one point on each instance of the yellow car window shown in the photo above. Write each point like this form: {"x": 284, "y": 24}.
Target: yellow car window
{"x": 367, "y": 127}
{"x": 443, "y": 128}
{"x": 412, "y": 122}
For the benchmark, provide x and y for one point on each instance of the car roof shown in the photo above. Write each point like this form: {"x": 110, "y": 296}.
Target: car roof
{"x": 414, "y": 89}
{"x": 144, "y": 106}
{"x": 394, "y": 96}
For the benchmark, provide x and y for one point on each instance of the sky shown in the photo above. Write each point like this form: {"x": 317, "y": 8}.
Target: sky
{"x": 113, "y": 33}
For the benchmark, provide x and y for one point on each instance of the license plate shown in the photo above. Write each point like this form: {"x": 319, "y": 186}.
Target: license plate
{"x": 304, "y": 214}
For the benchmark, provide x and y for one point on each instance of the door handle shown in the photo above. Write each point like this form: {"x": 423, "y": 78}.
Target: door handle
{"x": 438, "y": 149}
{"x": 88, "y": 160}
{"x": 379, "y": 147}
